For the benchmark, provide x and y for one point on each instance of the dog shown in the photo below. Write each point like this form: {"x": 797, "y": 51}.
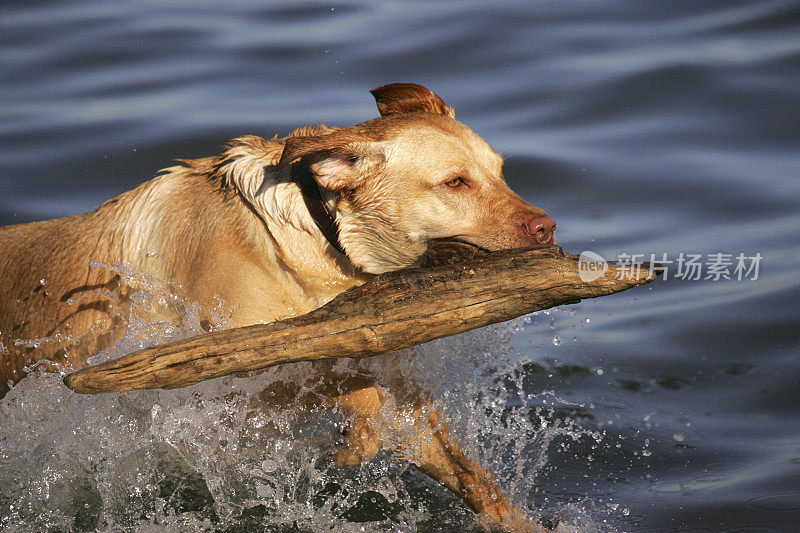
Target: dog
{"x": 278, "y": 227}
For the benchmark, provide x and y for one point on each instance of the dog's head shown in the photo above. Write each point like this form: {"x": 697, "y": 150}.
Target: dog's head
{"x": 413, "y": 176}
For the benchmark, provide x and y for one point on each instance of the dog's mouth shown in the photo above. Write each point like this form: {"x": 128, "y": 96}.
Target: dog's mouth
{"x": 457, "y": 242}
{"x": 450, "y": 250}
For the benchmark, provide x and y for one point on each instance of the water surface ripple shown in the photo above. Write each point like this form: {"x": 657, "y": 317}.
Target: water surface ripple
{"x": 644, "y": 127}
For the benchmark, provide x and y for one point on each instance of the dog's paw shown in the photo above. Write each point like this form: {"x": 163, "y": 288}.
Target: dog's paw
{"x": 361, "y": 444}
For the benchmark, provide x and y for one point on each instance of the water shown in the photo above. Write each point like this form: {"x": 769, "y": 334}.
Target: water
{"x": 641, "y": 128}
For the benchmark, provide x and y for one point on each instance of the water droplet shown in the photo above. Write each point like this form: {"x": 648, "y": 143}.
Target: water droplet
{"x": 264, "y": 491}
{"x": 678, "y": 437}
{"x": 269, "y": 466}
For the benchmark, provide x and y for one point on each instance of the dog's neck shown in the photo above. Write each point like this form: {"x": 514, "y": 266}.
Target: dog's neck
{"x": 289, "y": 198}
{"x": 294, "y": 240}
{"x": 325, "y": 220}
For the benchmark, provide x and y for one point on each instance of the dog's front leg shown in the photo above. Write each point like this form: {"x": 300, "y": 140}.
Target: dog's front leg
{"x": 431, "y": 447}
{"x": 362, "y": 439}
{"x": 441, "y": 457}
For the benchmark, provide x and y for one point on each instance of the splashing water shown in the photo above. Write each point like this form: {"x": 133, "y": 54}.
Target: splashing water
{"x": 212, "y": 456}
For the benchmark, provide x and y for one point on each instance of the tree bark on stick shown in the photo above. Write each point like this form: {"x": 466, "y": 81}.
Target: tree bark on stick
{"x": 393, "y": 311}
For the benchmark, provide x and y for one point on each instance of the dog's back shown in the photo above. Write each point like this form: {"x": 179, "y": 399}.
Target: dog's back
{"x": 59, "y": 303}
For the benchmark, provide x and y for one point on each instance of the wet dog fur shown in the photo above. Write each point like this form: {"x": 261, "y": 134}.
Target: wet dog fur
{"x": 235, "y": 227}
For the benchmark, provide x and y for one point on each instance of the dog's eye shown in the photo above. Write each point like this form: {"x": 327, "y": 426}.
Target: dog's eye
{"x": 455, "y": 182}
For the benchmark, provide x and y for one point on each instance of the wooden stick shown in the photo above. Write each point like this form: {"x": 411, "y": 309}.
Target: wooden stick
{"x": 393, "y": 311}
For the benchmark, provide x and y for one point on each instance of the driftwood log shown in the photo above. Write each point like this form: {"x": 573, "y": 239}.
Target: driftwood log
{"x": 393, "y": 311}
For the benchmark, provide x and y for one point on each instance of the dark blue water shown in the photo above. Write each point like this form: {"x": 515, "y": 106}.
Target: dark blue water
{"x": 642, "y": 127}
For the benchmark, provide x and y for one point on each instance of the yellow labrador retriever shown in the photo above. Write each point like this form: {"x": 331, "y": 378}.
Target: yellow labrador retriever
{"x": 278, "y": 227}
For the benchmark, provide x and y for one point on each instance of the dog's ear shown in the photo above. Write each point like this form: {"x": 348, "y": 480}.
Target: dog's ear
{"x": 400, "y": 98}
{"x": 330, "y": 157}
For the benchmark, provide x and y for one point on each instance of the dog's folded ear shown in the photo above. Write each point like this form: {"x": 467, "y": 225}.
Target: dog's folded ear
{"x": 400, "y": 98}
{"x": 330, "y": 157}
